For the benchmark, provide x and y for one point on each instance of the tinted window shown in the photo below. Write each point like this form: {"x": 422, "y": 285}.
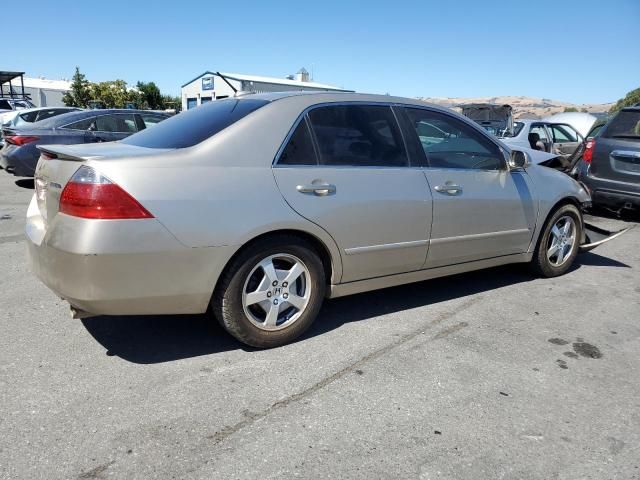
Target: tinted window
{"x": 44, "y": 114}
{"x": 625, "y": 124}
{"x": 123, "y": 123}
{"x": 150, "y": 120}
{"x": 451, "y": 143}
{"x": 358, "y": 135}
{"x": 29, "y": 116}
{"x": 5, "y": 105}
{"x": 83, "y": 124}
{"x": 299, "y": 150}
{"x": 194, "y": 126}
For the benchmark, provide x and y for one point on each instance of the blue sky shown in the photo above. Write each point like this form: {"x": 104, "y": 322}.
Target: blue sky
{"x": 580, "y": 51}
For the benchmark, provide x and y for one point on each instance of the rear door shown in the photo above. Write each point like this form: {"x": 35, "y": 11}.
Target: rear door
{"x": 480, "y": 208}
{"x": 345, "y": 168}
{"x": 616, "y": 153}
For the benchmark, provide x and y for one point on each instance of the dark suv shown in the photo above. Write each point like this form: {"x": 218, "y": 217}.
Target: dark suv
{"x": 612, "y": 162}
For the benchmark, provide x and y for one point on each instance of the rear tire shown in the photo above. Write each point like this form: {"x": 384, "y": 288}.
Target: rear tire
{"x": 559, "y": 242}
{"x": 271, "y": 292}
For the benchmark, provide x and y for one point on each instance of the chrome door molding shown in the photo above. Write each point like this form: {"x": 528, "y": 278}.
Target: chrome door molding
{"x": 479, "y": 236}
{"x": 386, "y": 246}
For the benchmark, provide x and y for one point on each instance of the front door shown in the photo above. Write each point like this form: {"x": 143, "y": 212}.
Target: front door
{"x": 480, "y": 208}
{"x": 345, "y": 168}
{"x": 565, "y": 139}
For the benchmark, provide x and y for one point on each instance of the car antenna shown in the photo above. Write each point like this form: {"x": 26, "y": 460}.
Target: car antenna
{"x": 235, "y": 90}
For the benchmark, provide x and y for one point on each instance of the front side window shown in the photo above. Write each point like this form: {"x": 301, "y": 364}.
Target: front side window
{"x": 299, "y": 149}
{"x": 358, "y": 135}
{"x": 120, "y": 123}
{"x": 83, "y": 124}
{"x": 451, "y": 143}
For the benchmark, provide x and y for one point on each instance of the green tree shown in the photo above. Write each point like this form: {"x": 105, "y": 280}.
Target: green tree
{"x": 169, "y": 101}
{"x": 150, "y": 94}
{"x": 570, "y": 109}
{"x": 113, "y": 94}
{"x": 79, "y": 94}
{"x": 630, "y": 99}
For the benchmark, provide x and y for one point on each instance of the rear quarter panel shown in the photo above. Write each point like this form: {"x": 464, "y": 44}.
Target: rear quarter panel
{"x": 221, "y": 192}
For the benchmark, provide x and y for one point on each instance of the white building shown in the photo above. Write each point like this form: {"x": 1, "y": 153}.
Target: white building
{"x": 210, "y": 86}
{"x": 45, "y": 92}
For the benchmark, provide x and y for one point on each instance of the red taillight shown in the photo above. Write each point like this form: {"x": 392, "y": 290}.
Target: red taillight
{"x": 20, "y": 139}
{"x": 587, "y": 156}
{"x": 92, "y": 195}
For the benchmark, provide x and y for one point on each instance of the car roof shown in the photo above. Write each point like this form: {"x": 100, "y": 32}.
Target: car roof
{"x": 310, "y": 98}
{"x": 634, "y": 108}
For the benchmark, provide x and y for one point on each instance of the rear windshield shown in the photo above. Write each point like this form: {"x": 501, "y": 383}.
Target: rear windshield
{"x": 193, "y": 126}
{"x": 624, "y": 125}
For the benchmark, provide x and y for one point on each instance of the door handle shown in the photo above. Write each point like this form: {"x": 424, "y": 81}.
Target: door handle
{"x": 318, "y": 189}
{"x": 448, "y": 189}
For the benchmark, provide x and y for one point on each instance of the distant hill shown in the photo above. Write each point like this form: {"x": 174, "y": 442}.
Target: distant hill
{"x": 524, "y": 107}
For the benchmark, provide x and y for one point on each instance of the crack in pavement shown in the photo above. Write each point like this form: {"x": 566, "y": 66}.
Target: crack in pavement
{"x": 251, "y": 418}
{"x": 12, "y": 238}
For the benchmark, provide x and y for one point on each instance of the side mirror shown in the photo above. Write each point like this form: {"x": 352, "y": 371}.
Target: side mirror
{"x": 519, "y": 160}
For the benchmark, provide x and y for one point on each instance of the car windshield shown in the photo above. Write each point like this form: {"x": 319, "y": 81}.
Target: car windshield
{"x": 196, "y": 125}
{"x": 624, "y": 125}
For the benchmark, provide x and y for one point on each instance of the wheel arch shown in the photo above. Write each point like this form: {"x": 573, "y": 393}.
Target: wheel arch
{"x": 329, "y": 262}
{"x": 566, "y": 200}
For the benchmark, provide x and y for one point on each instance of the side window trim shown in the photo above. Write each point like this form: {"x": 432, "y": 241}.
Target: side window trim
{"x": 305, "y": 116}
{"x": 479, "y": 130}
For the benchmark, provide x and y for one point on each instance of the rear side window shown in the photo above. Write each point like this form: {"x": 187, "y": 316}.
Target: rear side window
{"x": 150, "y": 120}
{"x": 5, "y": 105}
{"x": 624, "y": 125}
{"x": 358, "y": 135}
{"x": 29, "y": 116}
{"x": 562, "y": 134}
{"x": 299, "y": 149}
{"x": 83, "y": 124}
{"x": 196, "y": 125}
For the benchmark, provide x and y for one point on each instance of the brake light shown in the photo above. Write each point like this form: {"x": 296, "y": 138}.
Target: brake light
{"x": 91, "y": 195}
{"x": 587, "y": 156}
{"x": 20, "y": 139}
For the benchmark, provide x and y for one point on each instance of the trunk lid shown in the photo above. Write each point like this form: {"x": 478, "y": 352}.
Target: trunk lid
{"x": 58, "y": 163}
{"x": 616, "y": 155}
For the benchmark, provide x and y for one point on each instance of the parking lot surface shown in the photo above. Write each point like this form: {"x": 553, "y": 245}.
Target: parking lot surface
{"x": 494, "y": 374}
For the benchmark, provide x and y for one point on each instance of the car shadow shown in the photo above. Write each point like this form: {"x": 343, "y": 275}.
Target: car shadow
{"x": 25, "y": 183}
{"x": 158, "y": 339}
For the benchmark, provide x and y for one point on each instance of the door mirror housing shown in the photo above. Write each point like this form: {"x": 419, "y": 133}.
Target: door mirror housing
{"x": 519, "y": 160}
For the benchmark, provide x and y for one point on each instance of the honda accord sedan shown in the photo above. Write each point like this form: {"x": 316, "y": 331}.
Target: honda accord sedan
{"x": 256, "y": 208}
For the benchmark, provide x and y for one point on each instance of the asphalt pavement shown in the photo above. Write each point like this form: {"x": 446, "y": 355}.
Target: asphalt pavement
{"x": 487, "y": 375}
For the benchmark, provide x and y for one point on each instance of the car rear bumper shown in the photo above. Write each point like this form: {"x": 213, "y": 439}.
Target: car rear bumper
{"x": 127, "y": 267}
{"x": 13, "y": 162}
{"x": 612, "y": 193}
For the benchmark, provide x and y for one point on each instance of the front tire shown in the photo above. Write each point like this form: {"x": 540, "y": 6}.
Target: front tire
{"x": 558, "y": 243}
{"x": 271, "y": 292}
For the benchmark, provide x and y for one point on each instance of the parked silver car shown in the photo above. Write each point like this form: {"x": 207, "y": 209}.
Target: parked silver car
{"x": 260, "y": 206}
